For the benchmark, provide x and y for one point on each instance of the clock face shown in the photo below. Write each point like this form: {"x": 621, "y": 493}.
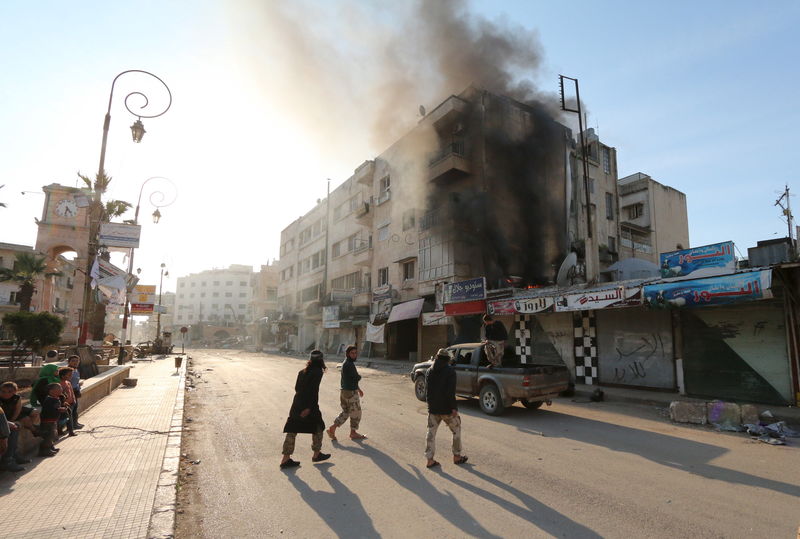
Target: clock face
{"x": 67, "y": 208}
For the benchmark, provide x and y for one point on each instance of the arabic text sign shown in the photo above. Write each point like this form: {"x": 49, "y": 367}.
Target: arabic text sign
{"x": 143, "y": 293}
{"x": 717, "y": 256}
{"x": 436, "y": 319}
{"x": 141, "y": 308}
{"x": 469, "y": 290}
{"x": 119, "y": 235}
{"x": 599, "y": 299}
{"x": 330, "y": 316}
{"x": 501, "y": 307}
{"x": 534, "y": 305}
{"x": 720, "y": 290}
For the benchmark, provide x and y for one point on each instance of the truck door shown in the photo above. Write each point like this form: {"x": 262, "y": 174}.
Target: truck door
{"x": 465, "y": 372}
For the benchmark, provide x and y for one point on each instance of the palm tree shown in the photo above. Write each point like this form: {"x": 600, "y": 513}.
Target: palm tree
{"x": 27, "y": 269}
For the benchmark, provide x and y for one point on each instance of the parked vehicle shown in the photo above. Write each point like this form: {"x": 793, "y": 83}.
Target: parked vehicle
{"x": 498, "y": 387}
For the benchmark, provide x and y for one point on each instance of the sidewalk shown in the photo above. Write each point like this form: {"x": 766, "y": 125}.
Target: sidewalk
{"x": 103, "y": 482}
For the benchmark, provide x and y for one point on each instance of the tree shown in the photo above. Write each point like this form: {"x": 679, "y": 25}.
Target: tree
{"x": 27, "y": 269}
{"x": 105, "y": 212}
{"x": 34, "y": 330}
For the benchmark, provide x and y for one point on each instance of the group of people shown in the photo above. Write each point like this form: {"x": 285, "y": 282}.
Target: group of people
{"x": 306, "y": 417}
{"x": 53, "y": 404}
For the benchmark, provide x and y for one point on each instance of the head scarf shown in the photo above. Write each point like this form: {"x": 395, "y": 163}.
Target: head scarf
{"x": 47, "y": 375}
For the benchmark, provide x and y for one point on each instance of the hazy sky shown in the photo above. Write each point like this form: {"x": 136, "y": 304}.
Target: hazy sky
{"x": 700, "y": 95}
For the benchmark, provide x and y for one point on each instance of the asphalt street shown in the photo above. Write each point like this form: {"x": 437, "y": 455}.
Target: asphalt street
{"x": 570, "y": 470}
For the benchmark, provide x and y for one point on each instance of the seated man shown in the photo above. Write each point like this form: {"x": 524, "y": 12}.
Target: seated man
{"x": 495, "y": 340}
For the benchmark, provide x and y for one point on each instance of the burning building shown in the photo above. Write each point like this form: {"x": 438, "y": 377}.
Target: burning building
{"x": 483, "y": 186}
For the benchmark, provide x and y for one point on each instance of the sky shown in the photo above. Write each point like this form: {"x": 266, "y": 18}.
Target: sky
{"x": 699, "y": 95}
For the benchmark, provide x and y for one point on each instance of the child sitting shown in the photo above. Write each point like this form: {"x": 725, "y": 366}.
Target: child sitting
{"x": 51, "y": 410}
{"x": 67, "y": 401}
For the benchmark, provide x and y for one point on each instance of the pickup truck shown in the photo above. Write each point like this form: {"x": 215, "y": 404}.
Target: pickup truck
{"x": 498, "y": 387}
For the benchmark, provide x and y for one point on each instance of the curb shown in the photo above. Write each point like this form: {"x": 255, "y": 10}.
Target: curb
{"x": 162, "y": 518}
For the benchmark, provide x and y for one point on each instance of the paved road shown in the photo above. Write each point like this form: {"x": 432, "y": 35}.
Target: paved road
{"x": 571, "y": 470}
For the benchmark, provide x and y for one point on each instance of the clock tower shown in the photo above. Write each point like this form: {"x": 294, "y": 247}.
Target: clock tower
{"x": 64, "y": 227}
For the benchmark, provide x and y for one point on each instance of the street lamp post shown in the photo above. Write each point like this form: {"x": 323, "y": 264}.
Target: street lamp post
{"x": 158, "y": 199}
{"x": 137, "y": 132}
{"x": 164, "y": 273}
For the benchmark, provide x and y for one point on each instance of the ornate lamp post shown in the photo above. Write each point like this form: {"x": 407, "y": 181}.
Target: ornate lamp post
{"x": 137, "y": 132}
{"x": 160, "y": 200}
{"x": 164, "y": 273}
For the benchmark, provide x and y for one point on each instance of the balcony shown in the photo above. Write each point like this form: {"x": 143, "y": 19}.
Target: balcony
{"x": 364, "y": 213}
{"x": 448, "y": 112}
{"x": 362, "y": 254}
{"x": 362, "y": 297}
{"x": 364, "y": 172}
{"x": 450, "y": 162}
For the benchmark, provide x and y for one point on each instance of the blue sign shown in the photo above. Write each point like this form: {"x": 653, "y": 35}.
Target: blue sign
{"x": 717, "y": 258}
{"x": 721, "y": 290}
{"x": 469, "y": 290}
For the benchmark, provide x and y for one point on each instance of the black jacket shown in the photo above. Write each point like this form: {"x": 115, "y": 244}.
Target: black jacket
{"x": 350, "y": 376}
{"x": 440, "y": 390}
{"x": 306, "y": 396}
{"x": 496, "y": 331}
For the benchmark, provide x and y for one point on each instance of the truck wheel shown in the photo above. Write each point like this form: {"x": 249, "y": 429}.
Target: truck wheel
{"x": 419, "y": 387}
{"x": 491, "y": 401}
{"x": 532, "y": 405}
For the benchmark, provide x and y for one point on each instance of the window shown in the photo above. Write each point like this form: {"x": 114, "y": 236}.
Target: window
{"x": 191, "y": 295}
{"x": 606, "y": 160}
{"x": 337, "y": 249}
{"x": 385, "y": 190}
{"x": 242, "y": 294}
{"x": 347, "y": 282}
{"x": 215, "y": 294}
{"x": 612, "y": 244}
{"x": 436, "y": 259}
{"x": 409, "y": 220}
{"x": 228, "y": 283}
{"x": 242, "y": 306}
{"x": 227, "y": 317}
{"x": 203, "y": 283}
{"x": 272, "y": 294}
{"x": 591, "y": 185}
{"x": 409, "y": 270}
{"x": 180, "y": 296}
{"x": 242, "y": 283}
{"x": 383, "y": 233}
{"x": 182, "y": 284}
{"x": 192, "y": 285}
{"x": 228, "y": 294}
{"x": 228, "y": 305}
{"x": 215, "y": 307}
{"x": 609, "y": 206}
{"x": 635, "y": 211}
{"x": 383, "y": 276}
{"x": 216, "y": 283}
{"x": 202, "y": 294}
{"x": 12, "y": 298}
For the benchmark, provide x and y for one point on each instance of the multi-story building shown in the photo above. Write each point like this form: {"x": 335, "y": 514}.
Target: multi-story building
{"x": 482, "y": 186}
{"x": 653, "y": 218}
{"x": 218, "y": 296}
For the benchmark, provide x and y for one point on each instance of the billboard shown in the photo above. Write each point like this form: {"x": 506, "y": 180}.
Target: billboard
{"x": 720, "y": 290}
{"x": 699, "y": 261}
{"x": 120, "y": 235}
{"x": 599, "y": 299}
{"x": 330, "y": 316}
{"x": 143, "y": 299}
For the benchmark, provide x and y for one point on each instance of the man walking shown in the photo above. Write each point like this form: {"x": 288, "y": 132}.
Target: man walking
{"x": 349, "y": 397}
{"x": 496, "y": 337}
{"x": 440, "y": 392}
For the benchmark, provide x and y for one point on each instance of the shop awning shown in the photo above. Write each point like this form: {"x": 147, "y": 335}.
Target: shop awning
{"x": 406, "y": 311}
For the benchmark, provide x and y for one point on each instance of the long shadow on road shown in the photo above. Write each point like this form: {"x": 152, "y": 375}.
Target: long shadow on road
{"x": 446, "y": 504}
{"x": 341, "y": 509}
{"x": 678, "y": 453}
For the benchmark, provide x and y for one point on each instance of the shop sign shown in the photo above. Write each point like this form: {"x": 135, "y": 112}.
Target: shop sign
{"x": 330, "y": 317}
{"x": 469, "y": 290}
{"x": 534, "y": 305}
{"x": 142, "y": 308}
{"x": 721, "y": 290}
{"x": 501, "y": 307}
{"x": 599, "y": 299}
{"x": 465, "y": 307}
{"x": 436, "y": 319}
{"x": 718, "y": 258}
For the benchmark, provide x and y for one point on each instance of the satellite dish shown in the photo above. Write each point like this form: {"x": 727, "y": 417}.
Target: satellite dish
{"x": 421, "y": 110}
{"x": 567, "y": 270}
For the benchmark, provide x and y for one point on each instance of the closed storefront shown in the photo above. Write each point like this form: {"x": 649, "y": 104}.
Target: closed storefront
{"x": 544, "y": 338}
{"x": 737, "y": 352}
{"x": 635, "y": 348}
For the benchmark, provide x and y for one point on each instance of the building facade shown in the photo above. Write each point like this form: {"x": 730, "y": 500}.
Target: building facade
{"x": 218, "y": 296}
{"x": 653, "y": 218}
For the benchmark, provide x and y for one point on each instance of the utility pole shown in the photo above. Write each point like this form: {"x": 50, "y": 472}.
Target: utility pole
{"x": 324, "y": 290}
{"x": 787, "y": 212}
